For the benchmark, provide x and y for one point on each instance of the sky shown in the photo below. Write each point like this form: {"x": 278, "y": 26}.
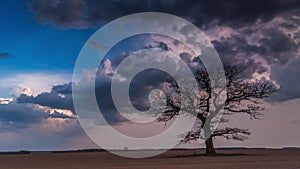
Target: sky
{"x": 41, "y": 40}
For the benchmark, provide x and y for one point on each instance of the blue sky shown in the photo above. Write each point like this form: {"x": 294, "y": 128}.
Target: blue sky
{"x": 33, "y": 46}
{"x": 41, "y": 39}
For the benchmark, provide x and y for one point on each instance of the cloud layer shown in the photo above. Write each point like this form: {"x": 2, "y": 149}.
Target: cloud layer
{"x": 62, "y": 13}
{"x": 80, "y": 14}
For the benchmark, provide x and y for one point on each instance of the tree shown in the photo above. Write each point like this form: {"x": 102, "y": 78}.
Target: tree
{"x": 244, "y": 96}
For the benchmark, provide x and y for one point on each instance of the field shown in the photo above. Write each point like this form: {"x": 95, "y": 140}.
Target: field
{"x": 183, "y": 159}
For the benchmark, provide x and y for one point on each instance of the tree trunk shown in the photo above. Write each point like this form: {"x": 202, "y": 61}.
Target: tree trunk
{"x": 210, "y": 149}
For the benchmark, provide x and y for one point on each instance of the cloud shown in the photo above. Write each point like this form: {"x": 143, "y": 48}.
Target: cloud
{"x": 58, "y": 115}
{"x": 64, "y": 89}
{"x": 60, "y": 97}
{"x": 262, "y": 46}
{"x": 31, "y": 83}
{"x": 19, "y": 116}
{"x": 33, "y": 126}
{"x": 186, "y": 57}
{"x": 26, "y": 126}
{"x": 107, "y": 68}
{"x": 143, "y": 83}
{"x": 79, "y": 14}
{"x": 140, "y": 87}
{"x": 269, "y": 49}
{"x": 273, "y": 45}
{"x": 49, "y": 135}
{"x": 257, "y": 47}
{"x": 5, "y": 100}
{"x": 4, "y": 55}
{"x": 165, "y": 43}
{"x": 287, "y": 76}
{"x": 14, "y": 116}
{"x": 60, "y": 13}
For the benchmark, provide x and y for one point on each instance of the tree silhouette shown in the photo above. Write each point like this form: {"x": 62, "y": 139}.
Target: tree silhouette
{"x": 240, "y": 95}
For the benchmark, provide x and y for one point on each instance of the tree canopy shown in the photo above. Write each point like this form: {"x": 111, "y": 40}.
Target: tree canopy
{"x": 214, "y": 101}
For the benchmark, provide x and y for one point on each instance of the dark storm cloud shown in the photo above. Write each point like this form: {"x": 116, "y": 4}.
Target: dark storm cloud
{"x": 140, "y": 87}
{"x": 273, "y": 43}
{"x": 16, "y": 116}
{"x": 288, "y": 77}
{"x": 32, "y": 128}
{"x": 79, "y": 14}
{"x": 4, "y": 55}
{"x": 63, "y": 89}
{"x": 186, "y": 57}
{"x": 60, "y": 13}
{"x": 52, "y": 100}
{"x": 143, "y": 83}
{"x": 19, "y": 116}
{"x": 278, "y": 43}
{"x": 277, "y": 47}
{"x": 162, "y": 46}
{"x": 262, "y": 44}
{"x": 238, "y": 13}
{"x": 105, "y": 100}
{"x": 157, "y": 44}
{"x": 236, "y": 51}
{"x": 60, "y": 97}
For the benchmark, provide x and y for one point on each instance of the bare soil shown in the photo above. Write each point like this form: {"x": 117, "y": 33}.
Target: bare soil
{"x": 183, "y": 159}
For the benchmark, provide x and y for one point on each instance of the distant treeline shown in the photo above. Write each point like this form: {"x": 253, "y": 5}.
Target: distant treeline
{"x": 79, "y": 151}
{"x": 178, "y": 149}
{"x": 14, "y": 153}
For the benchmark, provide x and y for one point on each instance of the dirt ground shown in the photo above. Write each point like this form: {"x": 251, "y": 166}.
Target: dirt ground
{"x": 239, "y": 159}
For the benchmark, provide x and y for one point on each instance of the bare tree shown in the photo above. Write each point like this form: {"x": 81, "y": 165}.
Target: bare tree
{"x": 240, "y": 95}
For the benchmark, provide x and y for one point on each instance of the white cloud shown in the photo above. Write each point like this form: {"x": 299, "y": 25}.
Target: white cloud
{"x": 52, "y": 111}
{"x": 6, "y": 100}
{"x": 110, "y": 71}
{"x": 107, "y": 67}
{"x": 31, "y": 83}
